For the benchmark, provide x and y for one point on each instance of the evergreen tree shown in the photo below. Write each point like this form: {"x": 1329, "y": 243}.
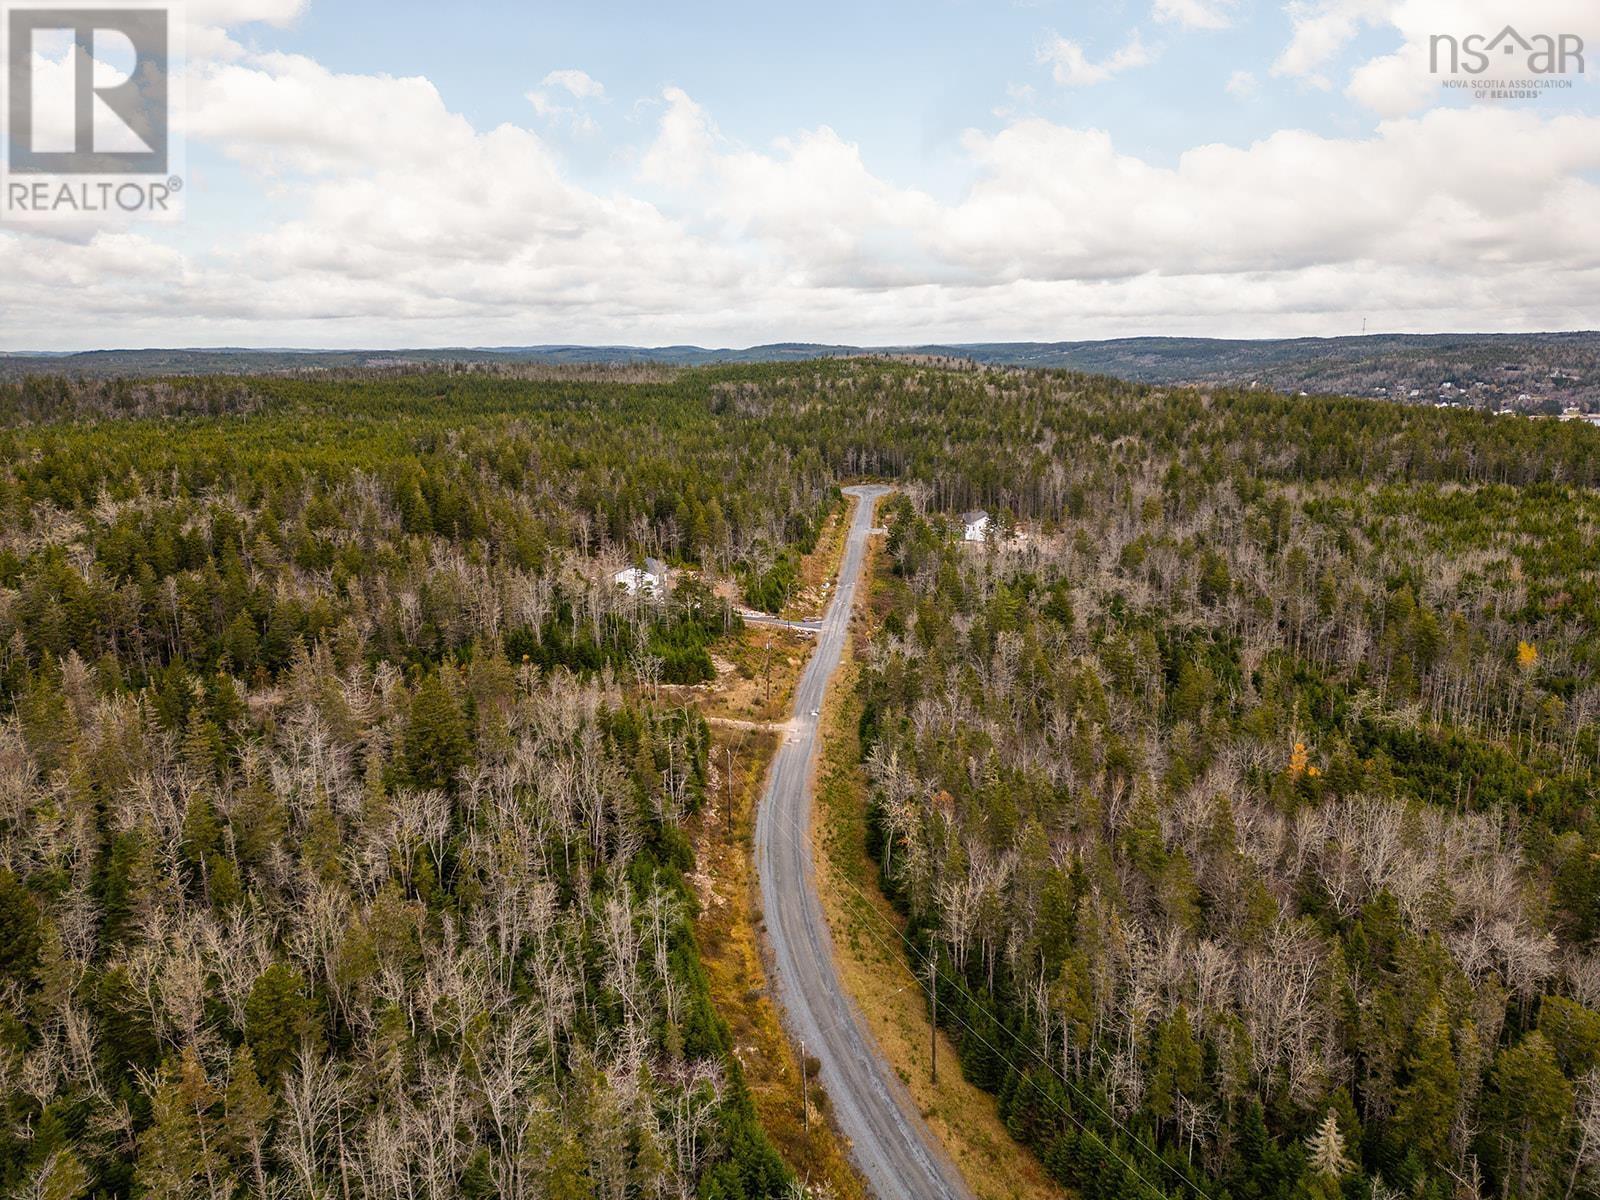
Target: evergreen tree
{"x": 178, "y": 1156}
{"x": 1526, "y": 1108}
{"x": 247, "y": 1119}
{"x": 1326, "y": 1160}
{"x": 1177, "y": 1071}
{"x": 436, "y": 745}
{"x": 20, "y": 933}
{"x": 1425, "y": 1107}
{"x": 62, "y": 1176}
{"x": 1573, "y": 1032}
{"x": 279, "y": 1017}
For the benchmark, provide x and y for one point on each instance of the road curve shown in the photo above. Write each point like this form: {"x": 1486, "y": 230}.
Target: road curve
{"x": 894, "y": 1150}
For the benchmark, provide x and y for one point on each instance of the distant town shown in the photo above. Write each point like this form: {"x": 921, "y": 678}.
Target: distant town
{"x": 1513, "y": 389}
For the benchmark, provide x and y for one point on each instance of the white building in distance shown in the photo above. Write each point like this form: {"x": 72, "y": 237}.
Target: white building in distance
{"x": 650, "y": 579}
{"x": 976, "y": 525}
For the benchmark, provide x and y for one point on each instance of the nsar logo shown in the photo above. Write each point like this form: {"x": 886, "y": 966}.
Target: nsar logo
{"x": 1541, "y": 54}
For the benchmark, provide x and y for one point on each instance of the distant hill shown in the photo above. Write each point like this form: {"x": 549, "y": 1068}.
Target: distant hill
{"x": 1512, "y": 370}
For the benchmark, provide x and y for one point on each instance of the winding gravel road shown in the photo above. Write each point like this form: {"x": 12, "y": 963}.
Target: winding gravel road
{"x": 892, "y": 1147}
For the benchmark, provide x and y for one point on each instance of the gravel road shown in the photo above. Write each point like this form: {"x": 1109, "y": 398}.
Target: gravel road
{"x": 891, "y": 1145}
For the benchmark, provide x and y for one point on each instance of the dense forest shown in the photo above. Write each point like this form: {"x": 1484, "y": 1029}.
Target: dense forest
{"x": 340, "y": 852}
{"x": 1240, "y": 786}
{"x": 1244, "y": 802}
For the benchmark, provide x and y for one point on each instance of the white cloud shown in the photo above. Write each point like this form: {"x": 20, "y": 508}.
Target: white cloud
{"x": 579, "y": 83}
{"x": 1243, "y": 84}
{"x": 283, "y": 112}
{"x": 396, "y": 221}
{"x": 580, "y": 86}
{"x": 1071, "y": 67}
{"x": 1393, "y": 85}
{"x": 243, "y": 12}
{"x": 1195, "y": 14}
{"x": 1057, "y": 205}
{"x": 205, "y": 24}
{"x": 811, "y": 199}
{"x": 1321, "y": 31}
{"x": 684, "y": 144}
{"x": 1062, "y": 203}
{"x": 1020, "y": 98}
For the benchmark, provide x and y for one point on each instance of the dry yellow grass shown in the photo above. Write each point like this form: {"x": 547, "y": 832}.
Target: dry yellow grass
{"x": 731, "y": 951}
{"x": 757, "y": 673}
{"x": 757, "y": 669}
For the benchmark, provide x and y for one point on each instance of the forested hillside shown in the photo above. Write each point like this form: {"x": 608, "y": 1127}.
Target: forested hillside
{"x": 1524, "y": 371}
{"x": 1244, "y": 795}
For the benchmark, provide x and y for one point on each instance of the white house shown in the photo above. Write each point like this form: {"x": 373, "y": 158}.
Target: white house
{"x": 649, "y": 579}
{"x": 976, "y": 525}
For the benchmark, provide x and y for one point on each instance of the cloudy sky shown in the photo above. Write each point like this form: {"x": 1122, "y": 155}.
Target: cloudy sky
{"x": 409, "y": 173}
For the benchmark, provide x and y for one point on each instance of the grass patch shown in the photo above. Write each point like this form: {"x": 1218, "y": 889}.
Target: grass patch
{"x": 756, "y": 673}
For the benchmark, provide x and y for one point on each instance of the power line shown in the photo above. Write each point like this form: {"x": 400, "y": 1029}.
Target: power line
{"x": 794, "y": 833}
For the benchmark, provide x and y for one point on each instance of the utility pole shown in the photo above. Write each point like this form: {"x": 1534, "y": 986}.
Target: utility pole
{"x": 766, "y": 671}
{"x": 933, "y": 1028}
{"x": 805, "y": 1087}
{"x": 728, "y": 749}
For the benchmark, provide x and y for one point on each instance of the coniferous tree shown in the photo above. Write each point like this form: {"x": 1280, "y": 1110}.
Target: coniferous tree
{"x": 436, "y": 745}
{"x": 1425, "y": 1106}
{"x": 1527, "y": 1104}
{"x": 1326, "y": 1160}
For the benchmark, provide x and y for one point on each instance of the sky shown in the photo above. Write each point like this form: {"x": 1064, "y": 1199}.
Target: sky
{"x": 407, "y": 174}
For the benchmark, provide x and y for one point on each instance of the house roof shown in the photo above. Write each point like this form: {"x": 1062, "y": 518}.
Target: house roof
{"x": 654, "y": 566}
{"x": 973, "y": 517}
